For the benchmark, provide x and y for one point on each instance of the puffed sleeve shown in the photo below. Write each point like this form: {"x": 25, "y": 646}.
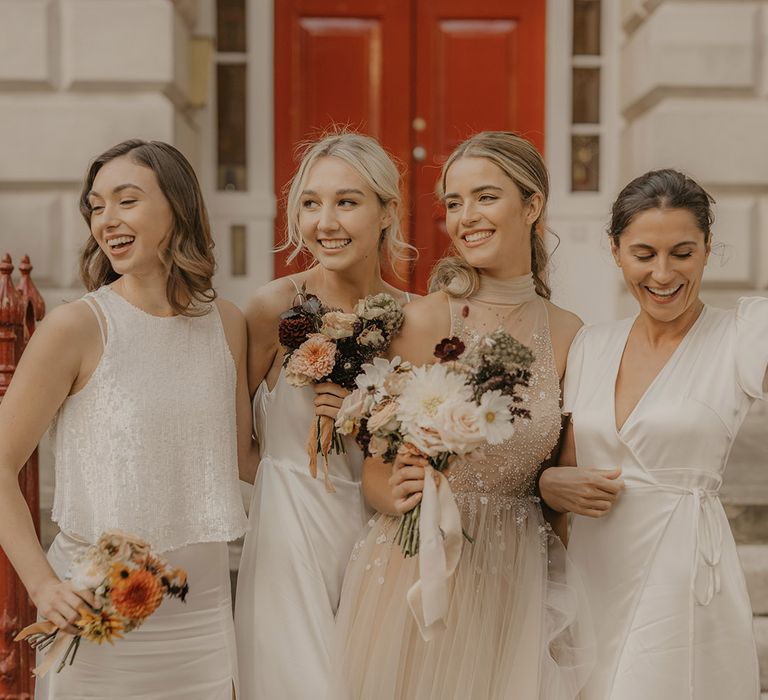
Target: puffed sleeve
{"x": 573, "y": 371}
{"x": 752, "y": 345}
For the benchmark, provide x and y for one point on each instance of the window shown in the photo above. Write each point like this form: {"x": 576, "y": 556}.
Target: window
{"x": 586, "y": 66}
{"x": 231, "y": 96}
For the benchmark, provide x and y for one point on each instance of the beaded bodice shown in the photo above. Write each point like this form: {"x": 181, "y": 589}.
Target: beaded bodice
{"x": 149, "y": 445}
{"x": 508, "y": 470}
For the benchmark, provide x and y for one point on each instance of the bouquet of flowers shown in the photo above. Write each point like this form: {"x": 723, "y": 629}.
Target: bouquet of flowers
{"x": 128, "y": 582}
{"x": 468, "y": 399}
{"x": 328, "y": 345}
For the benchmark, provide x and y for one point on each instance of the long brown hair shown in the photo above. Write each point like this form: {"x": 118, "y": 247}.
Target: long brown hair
{"x": 188, "y": 255}
{"x": 519, "y": 160}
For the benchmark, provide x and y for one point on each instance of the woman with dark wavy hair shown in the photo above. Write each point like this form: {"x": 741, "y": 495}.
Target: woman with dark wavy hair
{"x": 662, "y": 396}
{"x": 144, "y": 380}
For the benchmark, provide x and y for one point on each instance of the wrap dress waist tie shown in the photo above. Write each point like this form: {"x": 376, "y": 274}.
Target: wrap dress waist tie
{"x": 704, "y": 488}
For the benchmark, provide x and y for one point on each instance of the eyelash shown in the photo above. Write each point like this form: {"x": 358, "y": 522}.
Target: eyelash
{"x": 306, "y": 204}
{"x": 679, "y": 256}
{"x": 98, "y": 207}
{"x": 485, "y": 198}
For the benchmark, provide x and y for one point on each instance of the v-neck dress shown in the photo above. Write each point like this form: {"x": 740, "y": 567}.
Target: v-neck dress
{"x": 667, "y": 594}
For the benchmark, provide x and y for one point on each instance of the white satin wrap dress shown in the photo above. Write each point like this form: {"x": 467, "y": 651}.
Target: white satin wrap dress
{"x": 672, "y": 615}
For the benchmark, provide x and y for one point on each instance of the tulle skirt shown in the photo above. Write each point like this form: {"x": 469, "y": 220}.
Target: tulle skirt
{"x": 515, "y": 628}
{"x": 184, "y": 651}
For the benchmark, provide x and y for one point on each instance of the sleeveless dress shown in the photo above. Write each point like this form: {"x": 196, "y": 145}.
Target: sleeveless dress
{"x": 148, "y": 446}
{"x": 671, "y": 611}
{"x": 295, "y": 553}
{"x": 511, "y": 626}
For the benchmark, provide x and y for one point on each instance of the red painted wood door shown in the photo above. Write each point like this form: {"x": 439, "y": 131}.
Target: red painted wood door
{"x": 420, "y": 75}
{"x": 479, "y": 65}
{"x": 339, "y": 62}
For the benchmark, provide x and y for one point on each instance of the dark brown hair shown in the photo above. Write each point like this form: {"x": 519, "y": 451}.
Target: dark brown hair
{"x": 519, "y": 160}
{"x": 188, "y": 255}
{"x": 661, "y": 189}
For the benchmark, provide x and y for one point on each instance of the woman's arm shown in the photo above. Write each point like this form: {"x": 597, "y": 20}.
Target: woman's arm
{"x": 237, "y": 339}
{"x": 262, "y": 317}
{"x": 583, "y": 491}
{"x": 61, "y": 355}
{"x": 396, "y": 488}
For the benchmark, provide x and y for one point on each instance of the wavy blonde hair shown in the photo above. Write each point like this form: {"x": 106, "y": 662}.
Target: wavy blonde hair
{"x": 379, "y": 172}
{"x": 522, "y": 163}
{"x": 188, "y": 255}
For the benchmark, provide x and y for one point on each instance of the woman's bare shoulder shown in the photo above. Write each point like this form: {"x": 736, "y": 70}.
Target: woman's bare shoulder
{"x": 269, "y": 301}
{"x": 563, "y": 324}
{"x": 427, "y": 320}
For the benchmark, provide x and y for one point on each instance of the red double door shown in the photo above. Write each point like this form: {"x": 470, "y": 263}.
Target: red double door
{"x": 419, "y": 75}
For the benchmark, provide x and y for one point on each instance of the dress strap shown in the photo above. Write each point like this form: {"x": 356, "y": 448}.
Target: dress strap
{"x": 295, "y": 286}
{"x": 407, "y": 297}
{"x": 455, "y": 307}
{"x": 98, "y": 312}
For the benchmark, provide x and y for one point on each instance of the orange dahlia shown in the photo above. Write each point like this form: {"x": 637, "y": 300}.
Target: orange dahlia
{"x": 136, "y": 593}
{"x": 99, "y": 626}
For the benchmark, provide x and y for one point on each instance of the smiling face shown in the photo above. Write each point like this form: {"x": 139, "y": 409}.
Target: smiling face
{"x": 488, "y": 219}
{"x": 662, "y": 254}
{"x": 340, "y": 218}
{"x": 130, "y": 218}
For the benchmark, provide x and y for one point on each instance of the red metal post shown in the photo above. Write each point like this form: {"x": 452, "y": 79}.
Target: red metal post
{"x": 19, "y": 311}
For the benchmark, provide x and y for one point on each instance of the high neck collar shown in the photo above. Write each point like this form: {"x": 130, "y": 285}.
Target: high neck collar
{"x": 515, "y": 290}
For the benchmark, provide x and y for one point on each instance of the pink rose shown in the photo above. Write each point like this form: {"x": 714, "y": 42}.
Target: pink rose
{"x": 460, "y": 426}
{"x": 384, "y": 418}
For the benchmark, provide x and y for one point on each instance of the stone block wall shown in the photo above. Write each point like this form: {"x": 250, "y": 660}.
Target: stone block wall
{"x": 76, "y": 77}
{"x": 694, "y": 95}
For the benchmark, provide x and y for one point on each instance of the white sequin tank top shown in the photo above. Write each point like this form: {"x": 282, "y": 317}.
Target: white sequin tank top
{"x": 149, "y": 444}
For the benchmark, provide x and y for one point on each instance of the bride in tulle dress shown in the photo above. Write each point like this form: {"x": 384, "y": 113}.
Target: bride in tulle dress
{"x": 513, "y": 625}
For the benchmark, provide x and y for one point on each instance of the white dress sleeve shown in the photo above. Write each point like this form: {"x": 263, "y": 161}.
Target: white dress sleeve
{"x": 752, "y": 345}
{"x": 573, "y": 370}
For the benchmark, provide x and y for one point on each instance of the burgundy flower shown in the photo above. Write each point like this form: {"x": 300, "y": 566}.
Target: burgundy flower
{"x": 294, "y": 330}
{"x": 449, "y": 349}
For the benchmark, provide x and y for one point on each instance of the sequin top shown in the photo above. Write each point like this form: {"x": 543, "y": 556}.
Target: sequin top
{"x": 149, "y": 444}
{"x": 508, "y": 470}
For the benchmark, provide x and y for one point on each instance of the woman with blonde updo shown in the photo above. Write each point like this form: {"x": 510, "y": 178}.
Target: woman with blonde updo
{"x": 343, "y": 209}
{"x": 509, "y": 625}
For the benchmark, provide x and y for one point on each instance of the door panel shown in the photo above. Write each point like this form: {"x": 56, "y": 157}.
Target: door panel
{"x": 339, "y": 63}
{"x": 481, "y": 66}
{"x": 420, "y": 75}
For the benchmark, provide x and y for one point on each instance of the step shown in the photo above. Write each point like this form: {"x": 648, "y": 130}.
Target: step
{"x": 761, "y": 636}
{"x": 754, "y": 561}
{"x": 745, "y": 482}
{"x": 749, "y": 521}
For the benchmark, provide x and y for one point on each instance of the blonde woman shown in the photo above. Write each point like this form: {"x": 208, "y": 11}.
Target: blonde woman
{"x": 344, "y": 210}
{"x": 145, "y": 378}
{"x": 510, "y": 628}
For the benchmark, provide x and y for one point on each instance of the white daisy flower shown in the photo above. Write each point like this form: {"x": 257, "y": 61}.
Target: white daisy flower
{"x": 428, "y": 389}
{"x": 494, "y": 412}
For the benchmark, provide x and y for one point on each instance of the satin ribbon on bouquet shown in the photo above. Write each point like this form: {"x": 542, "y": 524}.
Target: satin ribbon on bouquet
{"x": 440, "y": 541}
{"x": 58, "y": 650}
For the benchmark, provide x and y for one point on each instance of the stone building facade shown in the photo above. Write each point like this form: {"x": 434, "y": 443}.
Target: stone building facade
{"x": 652, "y": 83}
{"x": 680, "y": 83}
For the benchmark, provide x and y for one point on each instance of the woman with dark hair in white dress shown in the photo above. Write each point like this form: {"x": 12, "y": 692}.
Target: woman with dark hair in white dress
{"x": 662, "y": 396}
